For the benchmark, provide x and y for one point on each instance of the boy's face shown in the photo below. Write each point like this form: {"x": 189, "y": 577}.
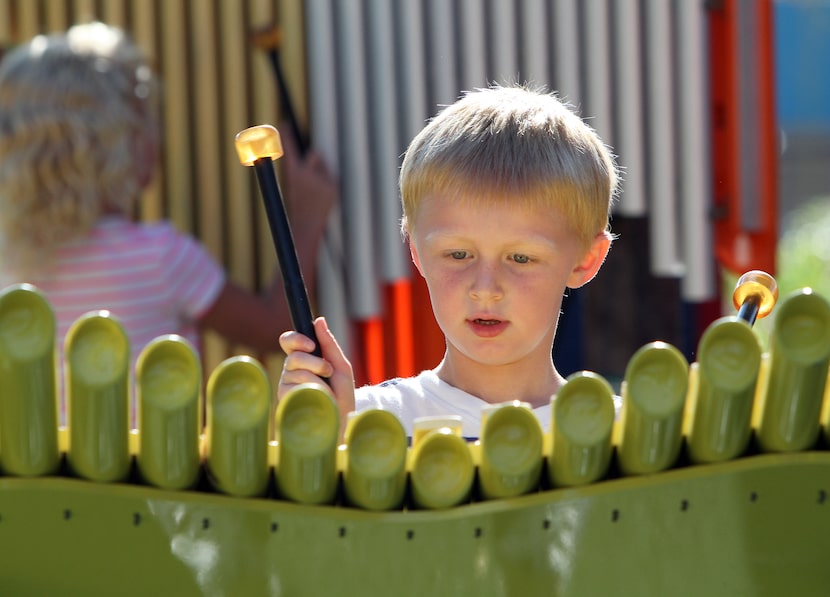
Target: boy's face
{"x": 496, "y": 275}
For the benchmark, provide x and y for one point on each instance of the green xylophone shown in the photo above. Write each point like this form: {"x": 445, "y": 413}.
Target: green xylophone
{"x": 712, "y": 479}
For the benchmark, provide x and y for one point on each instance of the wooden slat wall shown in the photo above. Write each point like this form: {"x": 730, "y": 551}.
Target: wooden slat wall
{"x": 215, "y": 83}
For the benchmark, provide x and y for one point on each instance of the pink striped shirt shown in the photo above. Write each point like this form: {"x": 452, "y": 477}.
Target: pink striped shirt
{"x": 152, "y": 278}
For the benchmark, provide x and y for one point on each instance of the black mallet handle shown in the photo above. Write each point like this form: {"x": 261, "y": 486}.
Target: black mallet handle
{"x": 259, "y": 146}
{"x": 270, "y": 40}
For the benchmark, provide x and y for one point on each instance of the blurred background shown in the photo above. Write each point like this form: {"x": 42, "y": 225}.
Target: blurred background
{"x": 719, "y": 111}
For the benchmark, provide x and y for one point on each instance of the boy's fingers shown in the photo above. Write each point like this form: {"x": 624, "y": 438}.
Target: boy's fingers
{"x": 300, "y": 366}
{"x": 291, "y": 379}
{"x": 294, "y": 373}
{"x": 303, "y": 361}
{"x": 328, "y": 344}
{"x": 292, "y": 341}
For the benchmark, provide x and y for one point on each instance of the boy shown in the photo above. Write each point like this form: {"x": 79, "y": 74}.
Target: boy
{"x": 506, "y": 197}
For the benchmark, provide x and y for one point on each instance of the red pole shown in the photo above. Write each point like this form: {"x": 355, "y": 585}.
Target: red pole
{"x": 745, "y": 162}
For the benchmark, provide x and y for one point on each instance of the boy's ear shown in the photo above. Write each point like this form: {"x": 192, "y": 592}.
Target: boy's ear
{"x": 590, "y": 263}
{"x": 414, "y": 253}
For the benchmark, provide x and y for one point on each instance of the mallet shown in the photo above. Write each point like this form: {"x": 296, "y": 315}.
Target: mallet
{"x": 259, "y": 146}
{"x": 270, "y": 40}
{"x": 755, "y": 295}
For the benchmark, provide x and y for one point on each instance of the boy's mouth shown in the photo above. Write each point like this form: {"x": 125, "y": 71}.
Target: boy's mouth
{"x": 486, "y": 327}
{"x": 486, "y": 321}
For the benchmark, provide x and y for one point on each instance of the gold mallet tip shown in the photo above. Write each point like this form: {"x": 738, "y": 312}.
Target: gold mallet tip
{"x": 257, "y": 142}
{"x": 760, "y": 284}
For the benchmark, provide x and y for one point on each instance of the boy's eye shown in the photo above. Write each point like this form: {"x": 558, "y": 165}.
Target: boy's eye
{"x": 458, "y": 254}
{"x": 518, "y": 258}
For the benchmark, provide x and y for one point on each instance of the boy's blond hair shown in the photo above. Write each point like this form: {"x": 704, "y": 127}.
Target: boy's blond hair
{"x": 512, "y": 144}
{"x": 78, "y": 111}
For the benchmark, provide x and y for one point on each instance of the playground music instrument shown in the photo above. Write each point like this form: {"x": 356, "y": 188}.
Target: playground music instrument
{"x": 242, "y": 528}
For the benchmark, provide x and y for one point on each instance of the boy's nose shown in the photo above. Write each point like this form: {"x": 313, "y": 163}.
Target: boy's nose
{"x": 486, "y": 284}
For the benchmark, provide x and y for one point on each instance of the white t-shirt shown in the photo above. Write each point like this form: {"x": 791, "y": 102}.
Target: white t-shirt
{"x": 427, "y": 395}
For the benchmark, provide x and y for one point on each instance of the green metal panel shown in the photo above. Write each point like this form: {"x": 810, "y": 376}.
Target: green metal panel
{"x": 755, "y": 526}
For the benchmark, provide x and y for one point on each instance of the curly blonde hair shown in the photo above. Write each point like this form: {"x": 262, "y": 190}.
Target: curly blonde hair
{"x": 78, "y": 116}
{"x": 516, "y": 143}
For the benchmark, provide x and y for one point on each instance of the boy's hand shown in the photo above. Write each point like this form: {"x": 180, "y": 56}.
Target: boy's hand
{"x": 301, "y": 366}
